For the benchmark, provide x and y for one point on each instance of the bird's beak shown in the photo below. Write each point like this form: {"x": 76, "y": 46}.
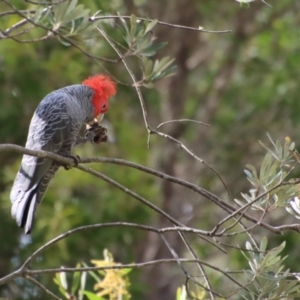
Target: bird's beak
{"x": 95, "y": 121}
{"x": 99, "y": 118}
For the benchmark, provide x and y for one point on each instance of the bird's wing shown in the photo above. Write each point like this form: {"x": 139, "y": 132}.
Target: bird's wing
{"x": 49, "y": 131}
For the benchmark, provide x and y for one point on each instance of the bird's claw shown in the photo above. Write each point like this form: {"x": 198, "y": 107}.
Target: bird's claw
{"x": 76, "y": 159}
{"x": 96, "y": 134}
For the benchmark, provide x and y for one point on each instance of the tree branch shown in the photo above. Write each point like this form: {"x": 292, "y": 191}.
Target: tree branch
{"x": 215, "y": 199}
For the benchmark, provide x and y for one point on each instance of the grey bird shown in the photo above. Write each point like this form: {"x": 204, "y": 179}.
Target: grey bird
{"x": 55, "y": 127}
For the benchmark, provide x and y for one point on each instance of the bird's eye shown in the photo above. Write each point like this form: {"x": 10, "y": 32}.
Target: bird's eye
{"x": 104, "y": 106}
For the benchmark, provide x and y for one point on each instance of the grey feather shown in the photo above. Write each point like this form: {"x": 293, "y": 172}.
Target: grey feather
{"x": 54, "y": 127}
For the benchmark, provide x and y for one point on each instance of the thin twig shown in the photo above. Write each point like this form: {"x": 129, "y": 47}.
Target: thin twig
{"x": 162, "y": 175}
{"x": 190, "y": 152}
{"x": 138, "y": 90}
{"x": 237, "y": 220}
{"x": 114, "y": 267}
{"x": 46, "y": 3}
{"x": 238, "y": 211}
{"x": 174, "y": 254}
{"x": 224, "y": 205}
{"x": 54, "y": 32}
{"x": 103, "y": 225}
{"x": 181, "y": 120}
{"x": 200, "y": 29}
{"x": 201, "y": 268}
{"x": 42, "y": 287}
{"x": 15, "y": 26}
{"x": 12, "y": 12}
{"x": 191, "y": 296}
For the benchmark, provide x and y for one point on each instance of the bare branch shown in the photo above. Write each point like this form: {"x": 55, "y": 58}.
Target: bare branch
{"x": 190, "y": 152}
{"x": 105, "y": 225}
{"x": 13, "y": 12}
{"x": 200, "y": 29}
{"x": 138, "y": 90}
{"x": 201, "y": 268}
{"x": 70, "y": 162}
{"x": 181, "y": 120}
{"x": 42, "y": 287}
{"x": 113, "y": 267}
{"x": 46, "y": 3}
{"x": 54, "y": 33}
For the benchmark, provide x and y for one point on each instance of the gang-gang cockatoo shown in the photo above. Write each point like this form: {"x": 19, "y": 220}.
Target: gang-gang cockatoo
{"x": 55, "y": 127}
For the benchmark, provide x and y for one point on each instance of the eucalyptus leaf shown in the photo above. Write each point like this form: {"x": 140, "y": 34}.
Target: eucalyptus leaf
{"x": 133, "y": 25}
{"x": 71, "y": 6}
{"x": 150, "y": 26}
{"x": 60, "y": 9}
{"x": 147, "y": 67}
{"x": 263, "y": 244}
{"x": 64, "y": 41}
{"x": 38, "y": 14}
{"x": 148, "y": 85}
{"x": 77, "y": 13}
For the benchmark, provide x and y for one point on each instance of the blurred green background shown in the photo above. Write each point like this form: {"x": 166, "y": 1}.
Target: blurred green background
{"x": 243, "y": 83}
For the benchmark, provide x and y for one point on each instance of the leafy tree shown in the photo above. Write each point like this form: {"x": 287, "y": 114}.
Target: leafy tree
{"x": 242, "y": 82}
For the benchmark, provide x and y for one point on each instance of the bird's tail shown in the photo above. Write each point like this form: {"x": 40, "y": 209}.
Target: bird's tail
{"x": 24, "y": 206}
{"x": 25, "y": 202}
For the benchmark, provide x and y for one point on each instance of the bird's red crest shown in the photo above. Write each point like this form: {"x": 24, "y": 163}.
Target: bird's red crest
{"x": 103, "y": 88}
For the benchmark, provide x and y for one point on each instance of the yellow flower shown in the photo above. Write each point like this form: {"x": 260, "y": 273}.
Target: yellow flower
{"x": 115, "y": 282}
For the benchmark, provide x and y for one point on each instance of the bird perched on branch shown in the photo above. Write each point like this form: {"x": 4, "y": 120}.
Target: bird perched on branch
{"x": 55, "y": 127}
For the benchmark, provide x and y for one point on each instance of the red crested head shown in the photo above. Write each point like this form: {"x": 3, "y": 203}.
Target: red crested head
{"x": 103, "y": 88}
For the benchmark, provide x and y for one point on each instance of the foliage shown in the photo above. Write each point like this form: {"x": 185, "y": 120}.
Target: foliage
{"x": 70, "y": 20}
{"x": 110, "y": 284}
{"x": 268, "y": 193}
{"x": 182, "y": 294}
{"x": 243, "y": 83}
{"x": 268, "y": 279}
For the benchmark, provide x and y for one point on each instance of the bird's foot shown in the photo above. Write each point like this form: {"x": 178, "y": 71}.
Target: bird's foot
{"x": 96, "y": 134}
{"x": 76, "y": 159}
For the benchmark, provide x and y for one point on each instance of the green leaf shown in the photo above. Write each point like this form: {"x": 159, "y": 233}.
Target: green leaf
{"x": 59, "y": 10}
{"x": 125, "y": 271}
{"x": 181, "y": 293}
{"x": 82, "y": 284}
{"x": 268, "y": 149}
{"x": 76, "y": 280}
{"x": 126, "y": 34}
{"x": 253, "y": 171}
{"x": 64, "y": 41}
{"x": 38, "y": 14}
{"x": 92, "y": 296}
{"x": 149, "y": 49}
{"x": 248, "y": 246}
{"x": 58, "y": 282}
{"x": 164, "y": 63}
{"x": 78, "y": 13}
{"x": 133, "y": 25}
{"x": 71, "y": 6}
{"x": 147, "y": 67}
{"x": 93, "y": 274}
{"x": 63, "y": 280}
{"x": 148, "y": 85}
{"x": 150, "y": 26}
{"x": 169, "y": 72}
{"x": 263, "y": 244}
